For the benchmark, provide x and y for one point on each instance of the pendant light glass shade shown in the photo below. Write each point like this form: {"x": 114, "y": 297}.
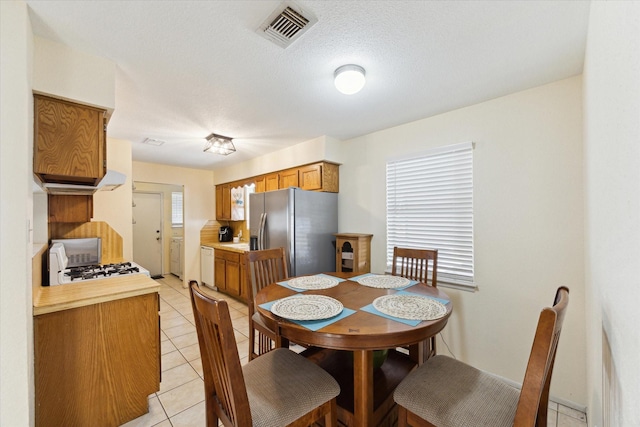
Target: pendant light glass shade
{"x": 349, "y": 79}
{"x": 219, "y": 144}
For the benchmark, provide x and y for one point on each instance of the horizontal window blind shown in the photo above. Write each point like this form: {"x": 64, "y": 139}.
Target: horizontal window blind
{"x": 176, "y": 209}
{"x": 430, "y": 206}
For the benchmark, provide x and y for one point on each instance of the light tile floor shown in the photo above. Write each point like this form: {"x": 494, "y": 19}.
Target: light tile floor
{"x": 180, "y": 401}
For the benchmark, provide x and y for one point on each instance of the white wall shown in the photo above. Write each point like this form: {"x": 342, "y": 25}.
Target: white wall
{"x": 612, "y": 188}
{"x": 16, "y": 147}
{"x": 72, "y": 75}
{"x": 528, "y": 222}
{"x": 114, "y": 207}
{"x": 199, "y": 205}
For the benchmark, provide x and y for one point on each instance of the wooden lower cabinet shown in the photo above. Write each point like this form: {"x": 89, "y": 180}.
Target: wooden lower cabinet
{"x": 96, "y": 365}
{"x": 229, "y": 273}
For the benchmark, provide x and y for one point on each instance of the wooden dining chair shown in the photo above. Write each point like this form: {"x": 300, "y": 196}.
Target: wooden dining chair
{"x": 280, "y": 388}
{"x": 261, "y": 269}
{"x": 413, "y": 264}
{"x": 447, "y": 393}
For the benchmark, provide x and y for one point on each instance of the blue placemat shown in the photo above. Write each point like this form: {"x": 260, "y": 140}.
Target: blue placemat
{"x": 285, "y": 283}
{"x": 355, "y": 279}
{"x": 314, "y": 325}
{"x": 371, "y": 309}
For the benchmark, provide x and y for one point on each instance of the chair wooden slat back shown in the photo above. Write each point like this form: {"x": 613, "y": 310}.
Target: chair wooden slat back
{"x": 414, "y": 264}
{"x": 223, "y": 376}
{"x": 534, "y": 396}
{"x": 444, "y": 403}
{"x": 261, "y": 269}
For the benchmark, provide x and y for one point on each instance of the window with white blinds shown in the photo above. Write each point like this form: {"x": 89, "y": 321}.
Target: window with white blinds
{"x": 430, "y": 206}
{"x": 176, "y": 209}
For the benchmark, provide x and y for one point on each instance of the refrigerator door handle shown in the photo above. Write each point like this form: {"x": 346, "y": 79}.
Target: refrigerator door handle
{"x": 263, "y": 220}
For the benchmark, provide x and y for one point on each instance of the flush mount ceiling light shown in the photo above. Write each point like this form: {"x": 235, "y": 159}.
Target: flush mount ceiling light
{"x": 152, "y": 141}
{"x": 219, "y": 144}
{"x": 349, "y": 79}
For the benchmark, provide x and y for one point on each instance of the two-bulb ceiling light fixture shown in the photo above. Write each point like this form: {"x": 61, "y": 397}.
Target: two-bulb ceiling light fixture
{"x": 349, "y": 79}
{"x": 219, "y": 144}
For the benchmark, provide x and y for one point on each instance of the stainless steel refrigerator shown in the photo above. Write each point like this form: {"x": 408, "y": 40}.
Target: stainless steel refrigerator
{"x": 303, "y": 222}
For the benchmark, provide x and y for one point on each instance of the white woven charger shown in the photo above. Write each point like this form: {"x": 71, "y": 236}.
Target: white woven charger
{"x": 307, "y": 307}
{"x": 412, "y": 307}
{"x": 313, "y": 282}
{"x": 384, "y": 281}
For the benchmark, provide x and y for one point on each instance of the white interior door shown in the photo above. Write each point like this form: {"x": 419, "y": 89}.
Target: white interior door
{"x": 147, "y": 231}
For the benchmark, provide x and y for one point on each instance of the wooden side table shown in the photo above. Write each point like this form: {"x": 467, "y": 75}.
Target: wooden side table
{"x": 353, "y": 252}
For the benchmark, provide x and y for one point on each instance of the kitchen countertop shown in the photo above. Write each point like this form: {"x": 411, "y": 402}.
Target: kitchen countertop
{"x": 241, "y": 247}
{"x": 49, "y": 299}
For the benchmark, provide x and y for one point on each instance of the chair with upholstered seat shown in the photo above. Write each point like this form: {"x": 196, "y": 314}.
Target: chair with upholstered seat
{"x": 261, "y": 269}
{"x": 447, "y": 393}
{"x": 280, "y": 388}
{"x": 413, "y": 264}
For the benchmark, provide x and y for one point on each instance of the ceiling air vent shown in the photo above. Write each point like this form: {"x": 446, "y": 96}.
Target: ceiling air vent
{"x": 286, "y": 24}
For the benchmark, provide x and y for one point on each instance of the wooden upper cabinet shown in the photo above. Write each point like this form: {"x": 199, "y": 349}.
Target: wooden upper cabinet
{"x": 260, "y": 184}
{"x": 311, "y": 177}
{"x": 289, "y": 178}
{"x": 223, "y": 202}
{"x": 320, "y": 177}
{"x": 272, "y": 182}
{"x": 69, "y": 144}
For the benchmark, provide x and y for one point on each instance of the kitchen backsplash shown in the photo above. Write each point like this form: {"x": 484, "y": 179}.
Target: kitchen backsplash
{"x": 209, "y": 233}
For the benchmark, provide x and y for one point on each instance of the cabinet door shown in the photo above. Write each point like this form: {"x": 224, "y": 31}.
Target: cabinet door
{"x": 65, "y": 208}
{"x": 233, "y": 277}
{"x": 223, "y": 202}
{"x": 219, "y": 202}
{"x": 226, "y": 201}
{"x": 220, "y": 273}
{"x": 260, "y": 184}
{"x": 272, "y": 182}
{"x": 311, "y": 177}
{"x": 69, "y": 144}
{"x": 289, "y": 178}
{"x": 114, "y": 343}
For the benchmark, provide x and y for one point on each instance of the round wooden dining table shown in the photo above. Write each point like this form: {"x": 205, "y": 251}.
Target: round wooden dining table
{"x": 345, "y": 348}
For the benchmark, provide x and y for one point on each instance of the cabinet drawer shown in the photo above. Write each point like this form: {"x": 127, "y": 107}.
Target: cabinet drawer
{"x": 227, "y": 255}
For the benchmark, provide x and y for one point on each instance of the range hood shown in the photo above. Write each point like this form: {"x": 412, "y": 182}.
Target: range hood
{"x": 111, "y": 181}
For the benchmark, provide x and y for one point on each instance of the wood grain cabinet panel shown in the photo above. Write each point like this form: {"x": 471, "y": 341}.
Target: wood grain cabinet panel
{"x": 272, "y": 182}
{"x": 223, "y": 202}
{"x": 70, "y": 208}
{"x": 260, "y": 184}
{"x": 69, "y": 144}
{"x": 228, "y": 276}
{"x": 289, "y": 178}
{"x": 96, "y": 365}
{"x": 311, "y": 177}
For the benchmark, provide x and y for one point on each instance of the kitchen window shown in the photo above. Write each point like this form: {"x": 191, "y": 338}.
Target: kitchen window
{"x": 430, "y": 206}
{"x": 176, "y": 209}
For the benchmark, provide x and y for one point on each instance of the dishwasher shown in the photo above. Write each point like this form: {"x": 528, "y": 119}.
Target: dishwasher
{"x": 206, "y": 266}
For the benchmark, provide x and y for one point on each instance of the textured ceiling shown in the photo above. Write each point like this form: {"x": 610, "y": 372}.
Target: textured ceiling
{"x": 189, "y": 68}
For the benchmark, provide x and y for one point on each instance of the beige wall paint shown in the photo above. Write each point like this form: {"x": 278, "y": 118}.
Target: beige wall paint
{"x": 199, "y": 205}
{"x": 114, "y": 207}
{"x": 612, "y": 188}
{"x": 528, "y": 222}
{"x": 16, "y": 148}
{"x": 69, "y": 74}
